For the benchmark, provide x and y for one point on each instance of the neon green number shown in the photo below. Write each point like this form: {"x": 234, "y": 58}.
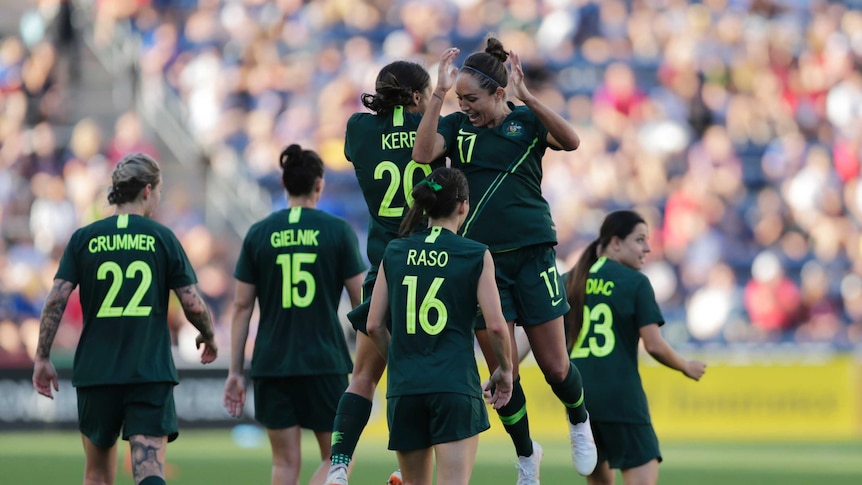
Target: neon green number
{"x": 409, "y": 172}
{"x": 552, "y": 281}
{"x": 107, "y": 309}
{"x": 429, "y": 302}
{"x": 292, "y": 275}
{"x": 468, "y": 139}
{"x": 601, "y": 320}
{"x": 386, "y": 209}
{"x": 394, "y": 181}
{"x": 133, "y": 309}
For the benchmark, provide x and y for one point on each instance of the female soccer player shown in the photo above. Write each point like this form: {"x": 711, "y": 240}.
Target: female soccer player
{"x": 499, "y": 146}
{"x": 429, "y": 284}
{"x": 126, "y": 265}
{"x": 380, "y": 145}
{"x": 613, "y": 305}
{"x": 295, "y": 262}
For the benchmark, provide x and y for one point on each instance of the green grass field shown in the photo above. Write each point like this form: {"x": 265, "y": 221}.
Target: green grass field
{"x": 211, "y": 457}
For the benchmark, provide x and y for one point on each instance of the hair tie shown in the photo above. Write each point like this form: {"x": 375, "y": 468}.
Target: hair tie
{"x": 430, "y": 183}
{"x": 481, "y": 74}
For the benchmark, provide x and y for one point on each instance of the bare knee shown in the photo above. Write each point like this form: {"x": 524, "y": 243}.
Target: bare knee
{"x": 555, "y": 372}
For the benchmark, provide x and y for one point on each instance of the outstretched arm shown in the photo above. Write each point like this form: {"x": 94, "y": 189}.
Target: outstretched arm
{"x": 44, "y": 374}
{"x": 430, "y": 145}
{"x": 658, "y": 347}
{"x": 198, "y": 314}
{"x": 561, "y": 134}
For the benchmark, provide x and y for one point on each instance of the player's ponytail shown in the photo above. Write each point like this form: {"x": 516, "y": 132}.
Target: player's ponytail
{"x": 395, "y": 85}
{"x": 436, "y": 196}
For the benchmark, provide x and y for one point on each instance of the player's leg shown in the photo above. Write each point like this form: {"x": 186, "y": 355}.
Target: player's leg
{"x": 540, "y": 299}
{"x": 148, "y": 458}
{"x": 602, "y": 475}
{"x": 641, "y": 455}
{"x": 315, "y": 400}
{"x": 100, "y": 418}
{"x": 417, "y": 466}
{"x": 324, "y": 441}
{"x": 100, "y": 467}
{"x": 514, "y": 414}
{"x": 646, "y": 474}
{"x": 455, "y": 460}
{"x": 548, "y": 343}
{"x": 354, "y": 407}
{"x": 275, "y": 409}
{"x": 150, "y": 424}
{"x": 286, "y": 455}
{"x": 455, "y": 421}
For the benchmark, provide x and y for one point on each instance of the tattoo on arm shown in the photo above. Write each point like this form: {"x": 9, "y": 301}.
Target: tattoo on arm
{"x": 196, "y": 310}
{"x": 55, "y": 305}
{"x": 147, "y": 456}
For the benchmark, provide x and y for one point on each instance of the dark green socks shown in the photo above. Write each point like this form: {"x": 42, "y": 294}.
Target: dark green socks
{"x": 153, "y": 480}
{"x": 350, "y": 419}
{"x": 571, "y": 393}
{"x": 514, "y": 418}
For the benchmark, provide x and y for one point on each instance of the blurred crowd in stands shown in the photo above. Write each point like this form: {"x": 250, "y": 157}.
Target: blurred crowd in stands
{"x": 734, "y": 126}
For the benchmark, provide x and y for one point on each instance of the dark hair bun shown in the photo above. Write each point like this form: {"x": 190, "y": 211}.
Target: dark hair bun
{"x": 291, "y": 155}
{"x": 495, "y": 48}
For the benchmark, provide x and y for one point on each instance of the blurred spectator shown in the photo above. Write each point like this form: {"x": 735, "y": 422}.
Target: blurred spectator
{"x": 772, "y": 300}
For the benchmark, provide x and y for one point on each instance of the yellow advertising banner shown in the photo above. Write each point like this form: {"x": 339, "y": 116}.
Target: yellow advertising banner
{"x": 759, "y": 399}
{"x": 805, "y": 400}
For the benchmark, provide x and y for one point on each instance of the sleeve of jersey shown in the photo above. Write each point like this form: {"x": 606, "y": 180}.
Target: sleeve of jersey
{"x": 244, "y": 270}
{"x": 180, "y": 272}
{"x": 646, "y": 308}
{"x": 350, "y": 127}
{"x": 68, "y": 269}
{"x": 448, "y": 128}
{"x": 352, "y": 261}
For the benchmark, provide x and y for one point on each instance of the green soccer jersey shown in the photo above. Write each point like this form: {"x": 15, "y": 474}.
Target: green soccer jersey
{"x": 503, "y": 165}
{"x": 298, "y": 260}
{"x": 619, "y": 301}
{"x": 125, "y": 266}
{"x": 381, "y": 150}
{"x": 432, "y": 278}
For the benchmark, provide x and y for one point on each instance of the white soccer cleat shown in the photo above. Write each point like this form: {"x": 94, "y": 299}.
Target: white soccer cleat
{"x": 395, "y": 478}
{"x": 528, "y": 466}
{"x": 584, "y": 453}
{"x": 337, "y": 475}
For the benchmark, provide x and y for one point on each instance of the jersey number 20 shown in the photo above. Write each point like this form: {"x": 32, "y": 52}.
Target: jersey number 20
{"x": 386, "y": 209}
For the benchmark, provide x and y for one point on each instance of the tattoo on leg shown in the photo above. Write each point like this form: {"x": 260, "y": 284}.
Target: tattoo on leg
{"x": 146, "y": 459}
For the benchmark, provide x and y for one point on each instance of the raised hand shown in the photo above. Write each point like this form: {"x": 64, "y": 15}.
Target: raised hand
{"x": 445, "y": 72}
{"x": 516, "y": 78}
